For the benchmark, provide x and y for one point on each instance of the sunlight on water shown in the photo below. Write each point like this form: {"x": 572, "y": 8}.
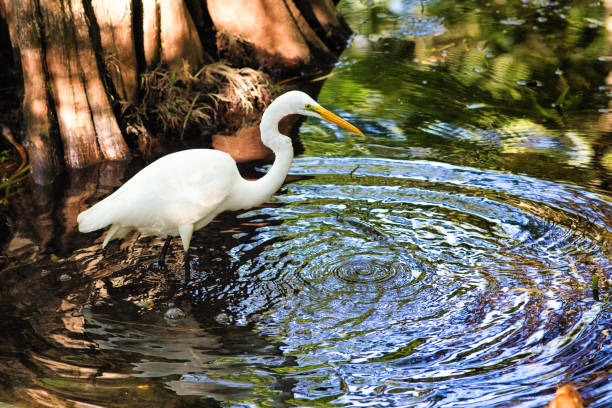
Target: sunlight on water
{"x": 423, "y": 279}
{"x": 457, "y": 255}
{"x": 385, "y": 282}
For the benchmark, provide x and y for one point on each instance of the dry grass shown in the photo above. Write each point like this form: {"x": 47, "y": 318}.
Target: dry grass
{"x": 244, "y": 88}
{"x": 178, "y": 104}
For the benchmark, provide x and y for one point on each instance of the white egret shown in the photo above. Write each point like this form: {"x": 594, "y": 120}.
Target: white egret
{"x": 183, "y": 191}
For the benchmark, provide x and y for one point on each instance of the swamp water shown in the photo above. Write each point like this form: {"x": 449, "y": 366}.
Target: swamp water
{"x": 447, "y": 259}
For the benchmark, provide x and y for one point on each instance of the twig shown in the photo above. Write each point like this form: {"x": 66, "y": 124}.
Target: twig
{"x": 8, "y": 135}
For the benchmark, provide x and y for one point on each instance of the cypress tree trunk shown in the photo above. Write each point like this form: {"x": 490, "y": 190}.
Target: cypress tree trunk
{"x": 82, "y": 61}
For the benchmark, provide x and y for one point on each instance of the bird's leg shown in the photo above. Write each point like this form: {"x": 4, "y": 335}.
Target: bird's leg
{"x": 162, "y": 256}
{"x": 186, "y": 231}
{"x": 187, "y": 266}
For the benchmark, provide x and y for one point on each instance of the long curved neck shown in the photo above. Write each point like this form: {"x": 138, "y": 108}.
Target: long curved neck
{"x": 259, "y": 191}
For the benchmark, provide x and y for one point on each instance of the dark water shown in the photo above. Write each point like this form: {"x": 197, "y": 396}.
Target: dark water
{"x": 447, "y": 259}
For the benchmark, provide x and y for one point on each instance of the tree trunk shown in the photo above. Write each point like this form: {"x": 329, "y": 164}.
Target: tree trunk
{"x": 179, "y": 37}
{"x": 40, "y": 141}
{"x": 82, "y": 62}
{"x": 115, "y": 27}
{"x": 288, "y": 36}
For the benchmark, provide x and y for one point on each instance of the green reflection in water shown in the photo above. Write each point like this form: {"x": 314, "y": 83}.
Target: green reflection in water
{"x": 369, "y": 281}
{"x": 513, "y": 85}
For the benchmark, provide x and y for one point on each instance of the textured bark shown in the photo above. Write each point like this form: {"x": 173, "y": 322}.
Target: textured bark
{"x": 280, "y": 41}
{"x": 326, "y": 22}
{"x": 42, "y": 146}
{"x": 82, "y": 62}
{"x": 290, "y": 36}
{"x": 151, "y": 32}
{"x": 114, "y": 21}
{"x": 245, "y": 144}
{"x": 62, "y": 85}
{"x": 308, "y": 32}
{"x": 86, "y": 121}
{"x": 68, "y": 89}
{"x": 179, "y": 36}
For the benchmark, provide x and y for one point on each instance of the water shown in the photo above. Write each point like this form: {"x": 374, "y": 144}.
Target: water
{"x": 446, "y": 259}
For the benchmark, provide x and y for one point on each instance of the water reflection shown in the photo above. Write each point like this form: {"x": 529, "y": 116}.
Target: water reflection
{"x": 91, "y": 326}
{"x": 368, "y": 281}
{"x": 447, "y": 260}
{"x": 485, "y": 259}
{"x": 513, "y": 85}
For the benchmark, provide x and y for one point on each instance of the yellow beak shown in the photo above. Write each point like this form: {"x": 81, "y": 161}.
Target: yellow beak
{"x": 335, "y": 119}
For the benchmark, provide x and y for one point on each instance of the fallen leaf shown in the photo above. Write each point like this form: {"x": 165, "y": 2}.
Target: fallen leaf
{"x": 566, "y": 397}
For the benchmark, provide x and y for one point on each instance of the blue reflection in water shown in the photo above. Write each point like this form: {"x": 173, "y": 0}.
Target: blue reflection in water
{"x": 402, "y": 283}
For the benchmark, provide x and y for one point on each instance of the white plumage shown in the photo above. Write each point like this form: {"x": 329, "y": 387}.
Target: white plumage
{"x": 183, "y": 191}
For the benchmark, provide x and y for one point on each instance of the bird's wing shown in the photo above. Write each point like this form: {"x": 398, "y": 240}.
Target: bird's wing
{"x": 178, "y": 189}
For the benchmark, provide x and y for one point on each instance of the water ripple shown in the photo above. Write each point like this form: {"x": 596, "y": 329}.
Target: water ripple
{"x": 393, "y": 283}
{"x": 409, "y": 276}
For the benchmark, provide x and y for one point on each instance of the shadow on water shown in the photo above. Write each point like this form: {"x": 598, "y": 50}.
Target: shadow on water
{"x": 458, "y": 255}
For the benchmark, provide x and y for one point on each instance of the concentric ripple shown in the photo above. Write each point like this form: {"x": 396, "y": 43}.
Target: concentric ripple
{"x": 366, "y": 268}
{"x": 374, "y": 282}
{"x": 423, "y": 284}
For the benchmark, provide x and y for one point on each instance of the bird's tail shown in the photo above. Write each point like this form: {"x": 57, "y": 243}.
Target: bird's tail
{"x": 95, "y": 218}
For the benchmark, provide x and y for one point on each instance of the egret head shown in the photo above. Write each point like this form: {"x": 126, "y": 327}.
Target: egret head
{"x": 298, "y": 102}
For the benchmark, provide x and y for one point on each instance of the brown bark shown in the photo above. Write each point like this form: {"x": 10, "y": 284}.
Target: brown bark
{"x": 307, "y": 31}
{"x": 67, "y": 86}
{"x": 327, "y": 15}
{"x": 327, "y": 22}
{"x": 290, "y": 36}
{"x": 274, "y": 36}
{"x": 81, "y": 58}
{"x": 62, "y": 82}
{"x": 87, "y": 124}
{"x": 244, "y": 146}
{"x": 41, "y": 144}
{"x": 151, "y": 32}
{"x": 117, "y": 40}
{"x": 180, "y": 41}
